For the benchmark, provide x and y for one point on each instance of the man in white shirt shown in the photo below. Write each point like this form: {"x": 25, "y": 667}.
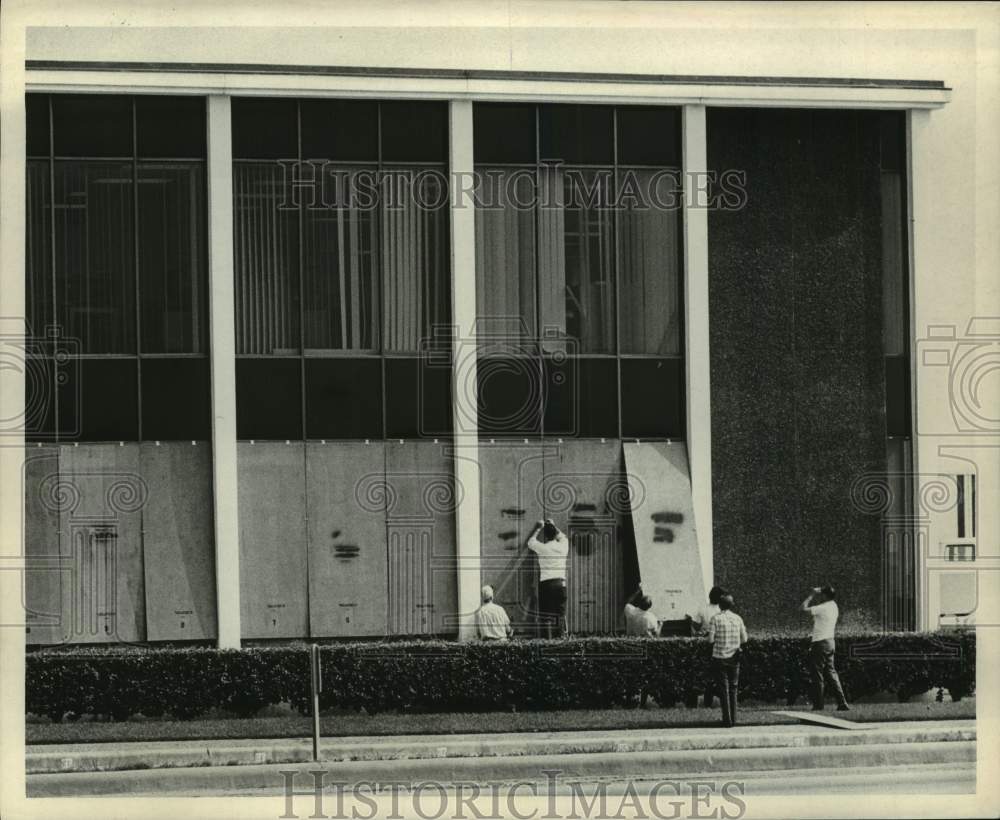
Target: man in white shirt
{"x": 823, "y": 608}
{"x": 639, "y": 620}
{"x": 492, "y": 623}
{"x": 727, "y": 633}
{"x": 700, "y": 623}
{"x": 552, "y": 552}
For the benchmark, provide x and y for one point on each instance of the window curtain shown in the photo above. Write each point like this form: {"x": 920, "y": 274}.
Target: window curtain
{"x": 413, "y": 255}
{"x": 339, "y": 274}
{"x": 576, "y": 246}
{"x": 266, "y": 262}
{"x": 38, "y": 279}
{"x": 649, "y": 270}
{"x": 94, "y": 233}
{"x": 505, "y": 255}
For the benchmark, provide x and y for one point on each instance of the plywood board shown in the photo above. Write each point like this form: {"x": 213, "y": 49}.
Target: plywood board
{"x": 273, "y": 567}
{"x": 178, "y": 551}
{"x": 420, "y": 529}
{"x": 101, "y": 535}
{"x": 511, "y": 493}
{"x": 583, "y": 495}
{"x": 821, "y": 719}
{"x": 44, "y": 573}
{"x": 347, "y": 539}
{"x": 663, "y": 520}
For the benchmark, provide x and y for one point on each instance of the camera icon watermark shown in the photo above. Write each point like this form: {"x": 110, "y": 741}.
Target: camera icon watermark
{"x": 48, "y": 362}
{"x": 966, "y": 369}
{"x": 505, "y": 377}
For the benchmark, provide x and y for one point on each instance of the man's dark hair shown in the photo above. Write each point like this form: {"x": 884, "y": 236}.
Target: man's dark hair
{"x": 714, "y": 594}
{"x": 726, "y": 602}
{"x": 645, "y": 602}
{"x": 549, "y": 531}
{"x": 829, "y": 592}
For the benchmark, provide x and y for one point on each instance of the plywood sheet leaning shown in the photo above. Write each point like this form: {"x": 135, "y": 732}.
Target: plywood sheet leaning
{"x": 511, "y": 491}
{"x": 584, "y": 495}
{"x": 420, "y": 529}
{"x": 273, "y": 569}
{"x": 100, "y": 527}
{"x": 178, "y": 541}
{"x": 666, "y": 542}
{"x": 347, "y": 494}
{"x": 45, "y": 567}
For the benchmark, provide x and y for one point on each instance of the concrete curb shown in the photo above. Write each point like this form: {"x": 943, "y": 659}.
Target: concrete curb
{"x": 83, "y": 758}
{"x": 531, "y": 768}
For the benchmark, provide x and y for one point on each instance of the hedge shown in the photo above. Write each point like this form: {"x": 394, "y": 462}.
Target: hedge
{"x": 574, "y": 673}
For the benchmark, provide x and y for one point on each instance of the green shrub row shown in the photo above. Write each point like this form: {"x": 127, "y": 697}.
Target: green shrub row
{"x": 443, "y": 676}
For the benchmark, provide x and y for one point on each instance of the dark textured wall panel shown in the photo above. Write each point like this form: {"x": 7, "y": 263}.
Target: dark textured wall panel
{"x": 796, "y": 358}
{"x": 178, "y": 541}
{"x": 274, "y": 594}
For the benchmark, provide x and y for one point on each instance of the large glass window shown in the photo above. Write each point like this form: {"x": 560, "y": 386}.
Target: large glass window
{"x": 341, "y": 252}
{"x": 116, "y": 264}
{"x": 578, "y": 261}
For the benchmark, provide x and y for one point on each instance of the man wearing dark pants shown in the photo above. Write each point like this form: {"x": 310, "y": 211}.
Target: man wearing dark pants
{"x": 552, "y": 552}
{"x": 727, "y": 633}
{"x": 822, "y": 648}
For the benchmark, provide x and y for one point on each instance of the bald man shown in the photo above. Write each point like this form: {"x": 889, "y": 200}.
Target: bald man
{"x": 492, "y": 623}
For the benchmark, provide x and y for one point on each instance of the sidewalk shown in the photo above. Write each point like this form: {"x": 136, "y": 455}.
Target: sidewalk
{"x": 789, "y": 740}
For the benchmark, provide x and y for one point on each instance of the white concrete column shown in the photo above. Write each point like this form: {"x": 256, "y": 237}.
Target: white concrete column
{"x": 12, "y": 419}
{"x": 223, "y": 355}
{"x": 464, "y": 408}
{"x": 696, "y": 340}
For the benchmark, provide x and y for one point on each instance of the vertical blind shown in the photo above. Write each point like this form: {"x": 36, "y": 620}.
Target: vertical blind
{"x": 265, "y": 238}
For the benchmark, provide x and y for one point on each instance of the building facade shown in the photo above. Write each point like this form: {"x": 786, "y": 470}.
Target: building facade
{"x": 313, "y": 344}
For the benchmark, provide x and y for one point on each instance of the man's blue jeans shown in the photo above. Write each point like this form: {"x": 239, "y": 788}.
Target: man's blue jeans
{"x": 821, "y": 668}
{"x": 727, "y": 673}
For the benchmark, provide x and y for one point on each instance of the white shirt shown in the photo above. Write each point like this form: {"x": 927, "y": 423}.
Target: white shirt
{"x": 824, "y": 620}
{"x": 551, "y": 556}
{"x": 641, "y": 622}
{"x": 492, "y": 621}
{"x": 704, "y": 618}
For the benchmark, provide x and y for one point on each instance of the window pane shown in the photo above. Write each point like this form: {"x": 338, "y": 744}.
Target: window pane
{"x": 653, "y": 398}
{"x": 39, "y": 393}
{"x": 510, "y": 394}
{"x": 269, "y": 399}
{"x": 172, "y": 257}
{"x": 414, "y": 132}
{"x": 414, "y": 257}
{"x": 505, "y": 253}
{"x": 37, "y": 248}
{"x": 894, "y": 284}
{"x": 576, "y": 133}
{"x": 340, "y": 308}
{"x": 92, "y": 125}
{"x": 95, "y": 269}
{"x": 649, "y": 263}
{"x": 649, "y": 136}
{"x": 897, "y": 395}
{"x": 266, "y": 261}
{"x": 581, "y": 397}
{"x": 170, "y": 127}
{"x": 264, "y": 129}
{"x": 575, "y": 255}
{"x": 344, "y": 398}
{"x": 504, "y": 132}
{"x": 418, "y": 398}
{"x": 99, "y": 400}
{"x": 343, "y": 130}
{"x": 37, "y": 126}
{"x": 176, "y": 400}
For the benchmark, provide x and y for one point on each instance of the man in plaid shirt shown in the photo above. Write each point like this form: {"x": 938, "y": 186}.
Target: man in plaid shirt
{"x": 727, "y": 633}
